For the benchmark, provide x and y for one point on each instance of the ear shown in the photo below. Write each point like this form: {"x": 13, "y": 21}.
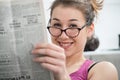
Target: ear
{"x": 90, "y": 30}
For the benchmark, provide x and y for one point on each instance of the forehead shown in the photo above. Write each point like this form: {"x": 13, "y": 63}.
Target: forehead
{"x": 65, "y": 13}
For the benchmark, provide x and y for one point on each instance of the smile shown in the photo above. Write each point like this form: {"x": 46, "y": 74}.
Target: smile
{"x": 65, "y": 45}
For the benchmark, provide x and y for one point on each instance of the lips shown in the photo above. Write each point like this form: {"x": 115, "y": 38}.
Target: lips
{"x": 65, "y": 45}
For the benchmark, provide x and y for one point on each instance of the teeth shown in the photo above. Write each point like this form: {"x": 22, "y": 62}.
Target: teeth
{"x": 65, "y": 45}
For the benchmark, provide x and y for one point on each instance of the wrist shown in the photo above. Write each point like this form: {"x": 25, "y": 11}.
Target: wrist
{"x": 62, "y": 77}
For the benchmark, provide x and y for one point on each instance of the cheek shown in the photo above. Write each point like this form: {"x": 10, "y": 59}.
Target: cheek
{"x": 81, "y": 41}
{"x": 53, "y": 39}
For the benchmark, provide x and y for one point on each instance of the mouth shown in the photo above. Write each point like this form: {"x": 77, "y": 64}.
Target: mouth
{"x": 65, "y": 45}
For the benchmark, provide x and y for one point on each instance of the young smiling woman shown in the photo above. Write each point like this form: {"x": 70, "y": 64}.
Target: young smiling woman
{"x": 70, "y": 25}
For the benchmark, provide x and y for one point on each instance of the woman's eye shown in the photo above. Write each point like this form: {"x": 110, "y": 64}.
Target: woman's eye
{"x": 73, "y": 25}
{"x": 56, "y": 25}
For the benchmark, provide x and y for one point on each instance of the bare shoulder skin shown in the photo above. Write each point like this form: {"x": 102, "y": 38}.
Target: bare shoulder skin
{"x": 103, "y": 71}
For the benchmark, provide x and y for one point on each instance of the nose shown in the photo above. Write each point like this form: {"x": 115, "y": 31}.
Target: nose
{"x": 63, "y": 35}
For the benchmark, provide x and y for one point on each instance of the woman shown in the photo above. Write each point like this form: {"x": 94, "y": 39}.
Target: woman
{"x": 70, "y": 25}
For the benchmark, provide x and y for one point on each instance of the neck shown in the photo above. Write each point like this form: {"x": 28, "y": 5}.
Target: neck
{"x": 74, "y": 59}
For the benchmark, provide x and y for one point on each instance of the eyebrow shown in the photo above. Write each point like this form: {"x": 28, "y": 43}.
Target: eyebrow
{"x": 69, "y": 20}
{"x": 73, "y": 20}
{"x": 55, "y": 19}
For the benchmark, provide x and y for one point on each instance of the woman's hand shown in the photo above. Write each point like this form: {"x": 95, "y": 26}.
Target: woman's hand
{"x": 52, "y": 57}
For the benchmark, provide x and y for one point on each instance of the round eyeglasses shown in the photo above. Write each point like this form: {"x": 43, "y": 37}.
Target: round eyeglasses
{"x": 70, "y": 32}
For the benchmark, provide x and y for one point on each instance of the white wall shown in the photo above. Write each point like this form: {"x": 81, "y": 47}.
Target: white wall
{"x": 47, "y": 4}
{"x": 107, "y": 26}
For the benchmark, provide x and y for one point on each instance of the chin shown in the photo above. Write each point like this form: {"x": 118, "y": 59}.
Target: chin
{"x": 68, "y": 53}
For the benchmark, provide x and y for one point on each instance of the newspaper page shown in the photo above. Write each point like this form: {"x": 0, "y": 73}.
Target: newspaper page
{"x": 22, "y": 24}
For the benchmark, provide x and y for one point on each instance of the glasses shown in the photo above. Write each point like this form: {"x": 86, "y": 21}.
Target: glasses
{"x": 70, "y": 32}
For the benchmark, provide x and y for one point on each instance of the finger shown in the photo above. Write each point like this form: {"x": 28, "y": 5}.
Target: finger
{"x": 49, "y": 60}
{"x": 49, "y": 52}
{"x": 48, "y": 46}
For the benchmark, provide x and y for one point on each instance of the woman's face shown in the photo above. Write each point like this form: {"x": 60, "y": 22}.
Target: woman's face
{"x": 64, "y": 17}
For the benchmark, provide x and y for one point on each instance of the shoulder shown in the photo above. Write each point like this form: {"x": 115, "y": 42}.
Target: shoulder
{"x": 103, "y": 70}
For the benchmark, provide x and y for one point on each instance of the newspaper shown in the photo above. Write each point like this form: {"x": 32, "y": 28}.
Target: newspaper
{"x": 22, "y": 24}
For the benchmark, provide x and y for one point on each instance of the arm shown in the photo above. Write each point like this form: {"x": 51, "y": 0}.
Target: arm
{"x": 103, "y": 71}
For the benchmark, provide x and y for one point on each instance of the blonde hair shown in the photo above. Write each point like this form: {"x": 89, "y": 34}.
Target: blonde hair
{"x": 89, "y": 8}
{"x": 97, "y": 5}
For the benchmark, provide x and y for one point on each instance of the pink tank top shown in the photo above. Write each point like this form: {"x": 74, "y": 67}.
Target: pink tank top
{"x": 82, "y": 73}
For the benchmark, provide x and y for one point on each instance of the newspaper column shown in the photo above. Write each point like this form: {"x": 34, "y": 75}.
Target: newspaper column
{"x": 9, "y": 67}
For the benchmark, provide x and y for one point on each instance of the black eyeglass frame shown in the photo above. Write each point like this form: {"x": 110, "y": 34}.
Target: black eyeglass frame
{"x": 64, "y": 30}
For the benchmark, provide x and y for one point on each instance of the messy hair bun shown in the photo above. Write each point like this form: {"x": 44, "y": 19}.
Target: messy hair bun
{"x": 92, "y": 44}
{"x": 97, "y": 5}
